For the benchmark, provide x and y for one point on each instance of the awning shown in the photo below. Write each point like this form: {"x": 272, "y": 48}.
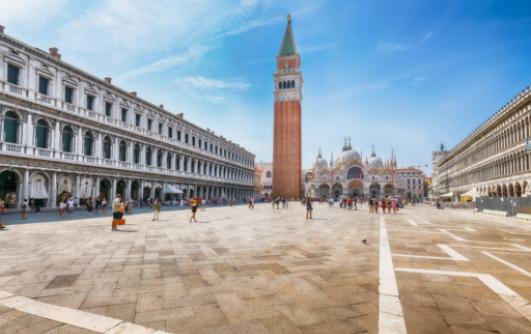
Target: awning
{"x": 448, "y": 195}
{"x": 169, "y": 189}
{"x": 471, "y": 193}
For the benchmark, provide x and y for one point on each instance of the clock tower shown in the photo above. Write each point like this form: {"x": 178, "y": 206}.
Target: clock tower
{"x": 287, "y": 164}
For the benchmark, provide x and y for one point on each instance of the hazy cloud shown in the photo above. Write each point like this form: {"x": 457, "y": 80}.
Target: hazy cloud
{"x": 234, "y": 84}
{"x": 29, "y": 13}
{"x": 194, "y": 53}
{"x": 409, "y": 44}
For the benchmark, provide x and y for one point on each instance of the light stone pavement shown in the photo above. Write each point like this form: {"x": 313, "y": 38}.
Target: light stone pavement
{"x": 269, "y": 271}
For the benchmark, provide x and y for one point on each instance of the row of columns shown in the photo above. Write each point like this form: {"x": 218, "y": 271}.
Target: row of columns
{"x": 205, "y": 191}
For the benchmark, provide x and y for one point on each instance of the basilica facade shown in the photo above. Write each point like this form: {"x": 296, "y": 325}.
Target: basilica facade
{"x": 67, "y": 133}
{"x": 350, "y": 175}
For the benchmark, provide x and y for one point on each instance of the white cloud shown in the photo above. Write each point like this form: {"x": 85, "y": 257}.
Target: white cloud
{"x": 136, "y": 26}
{"x": 240, "y": 29}
{"x": 409, "y": 44}
{"x": 29, "y": 13}
{"x": 194, "y": 53}
{"x": 234, "y": 84}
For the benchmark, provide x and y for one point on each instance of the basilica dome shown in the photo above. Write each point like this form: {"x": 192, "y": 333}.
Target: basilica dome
{"x": 373, "y": 161}
{"x": 349, "y": 156}
{"x": 320, "y": 162}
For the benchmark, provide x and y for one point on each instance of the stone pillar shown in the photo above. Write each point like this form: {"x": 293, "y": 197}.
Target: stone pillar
{"x": 29, "y": 131}
{"x": 116, "y": 150}
{"x": 181, "y": 163}
{"x": 128, "y": 189}
{"x": 98, "y": 149}
{"x": 78, "y": 186}
{"x": 79, "y": 142}
{"x": 26, "y": 191}
{"x": 143, "y": 155}
{"x": 53, "y": 193}
{"x": 113, "y": 190}
{"x": 96, "y": 193}
{"x": 56, "y": 138}
{"x": 172, "y": 155}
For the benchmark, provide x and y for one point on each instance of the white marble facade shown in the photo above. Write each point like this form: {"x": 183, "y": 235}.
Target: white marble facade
{"x": 67, "y": 132}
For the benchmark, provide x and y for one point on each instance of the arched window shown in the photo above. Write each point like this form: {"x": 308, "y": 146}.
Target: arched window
{"x": 269, "y": 174}
{"x": 177, "y": 162}
{"x": 283, "y": 84}
{"x": 107, "y": 148}
{"x": 185, "y": 167}
{"x": 149, "y": 155}
{"x": 41, "y": 134}
{"x": 292, "y": 83}
{"x": 11, "y": 125}
{"x": 136, "y": 154}
{"x": 159, "y": 158}
{"x": 68, "y": 135}
{"x": 168, "y": 161}
{"x": 88, "y": 143}
{"x": 279, "y": 85}
{"x": 355, "y": 173}
{"x": 288, "y": 84}
{"x": 123, "y": 150}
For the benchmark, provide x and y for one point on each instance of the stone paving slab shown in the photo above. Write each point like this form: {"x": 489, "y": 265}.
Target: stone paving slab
{"x": 271, "y": 271}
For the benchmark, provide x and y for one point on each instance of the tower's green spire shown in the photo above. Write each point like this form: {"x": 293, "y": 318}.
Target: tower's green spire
{"x": 288, "y": 42}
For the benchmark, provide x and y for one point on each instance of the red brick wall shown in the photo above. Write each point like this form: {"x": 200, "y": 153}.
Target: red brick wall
{"x": 287, "y": 164}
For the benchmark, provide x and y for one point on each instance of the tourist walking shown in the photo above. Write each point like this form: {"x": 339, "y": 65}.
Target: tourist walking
{"x": 70, "y": 205}
{"x": 117, "y": 212}
{"x": 156, "y": 209}
{"x": 383, "y": 205}
{"x": 309, "y": 208}
{"x": 104, "y": 205}
{"x": 388, "y": 204}
{"x": 394, "y": 204}
{"x": 23, "y": 210}
{"x": 193, "y": 206}
{"x": 62, "y": 208}
{"x": 251, "y": 203}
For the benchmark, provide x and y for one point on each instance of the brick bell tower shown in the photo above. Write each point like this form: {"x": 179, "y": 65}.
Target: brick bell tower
{"x": 287, "y": 165}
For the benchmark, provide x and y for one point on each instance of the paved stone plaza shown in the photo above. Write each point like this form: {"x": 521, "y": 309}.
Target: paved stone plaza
{"x": 269, "y": 271}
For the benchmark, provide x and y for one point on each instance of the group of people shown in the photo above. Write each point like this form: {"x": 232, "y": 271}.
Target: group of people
{"x": 349, "y": 203}
{"x": 387, "y": 204}
{"x": 276, "y": 202}
{"x": 66, "y": 206}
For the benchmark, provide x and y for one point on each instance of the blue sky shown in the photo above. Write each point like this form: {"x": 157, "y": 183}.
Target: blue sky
{"x": 400, "y": 74}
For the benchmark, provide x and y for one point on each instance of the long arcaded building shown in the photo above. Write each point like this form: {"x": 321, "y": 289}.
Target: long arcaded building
{"x": 493, "y": 160}
{"x": 67, "y": 133}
